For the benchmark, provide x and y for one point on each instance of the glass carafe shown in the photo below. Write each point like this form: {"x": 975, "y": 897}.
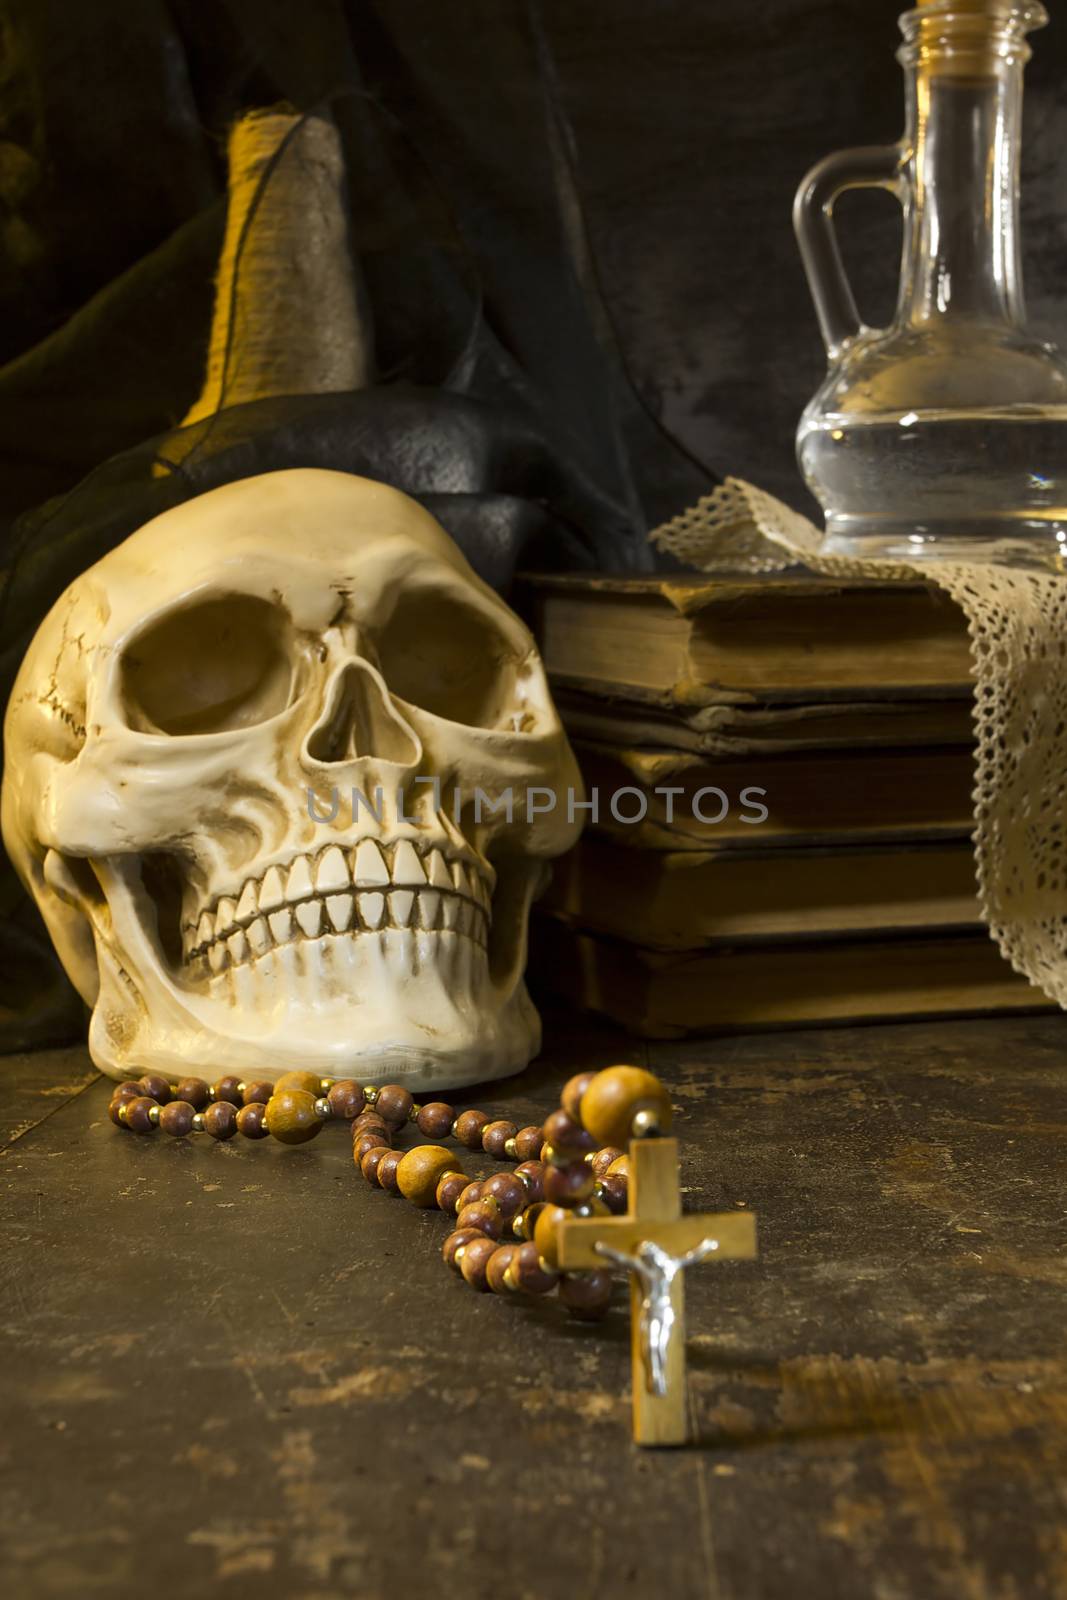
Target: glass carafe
{"x": 944, "y": 435}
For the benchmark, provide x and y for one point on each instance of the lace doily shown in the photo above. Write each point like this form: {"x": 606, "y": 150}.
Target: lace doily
{"x": 1017, "y": 622}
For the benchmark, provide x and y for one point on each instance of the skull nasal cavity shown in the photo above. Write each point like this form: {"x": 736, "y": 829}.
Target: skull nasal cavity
{"x": 359, "y": 721}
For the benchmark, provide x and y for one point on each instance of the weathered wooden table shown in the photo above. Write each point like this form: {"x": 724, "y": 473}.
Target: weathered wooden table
{"x": 236, "y": 1370}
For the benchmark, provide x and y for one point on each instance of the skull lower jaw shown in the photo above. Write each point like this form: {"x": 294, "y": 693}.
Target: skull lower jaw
{"x": 430, "y": 1010}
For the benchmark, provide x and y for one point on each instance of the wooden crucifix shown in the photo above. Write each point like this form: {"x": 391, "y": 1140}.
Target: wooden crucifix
{"x": 655, "y": 1242}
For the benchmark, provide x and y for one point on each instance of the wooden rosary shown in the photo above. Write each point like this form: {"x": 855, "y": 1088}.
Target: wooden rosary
{"x": 576, "y": 1201}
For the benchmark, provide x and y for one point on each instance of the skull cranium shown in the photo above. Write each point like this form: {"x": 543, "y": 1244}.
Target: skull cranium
{"x": 298, "y": 646}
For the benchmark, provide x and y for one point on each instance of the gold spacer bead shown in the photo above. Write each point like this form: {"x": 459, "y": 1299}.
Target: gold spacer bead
{"x": 511, "y": 1149}
{"x": 588, "y": 1157}
{"x": 198, "y": 1122}
{"x": 510, "y": 1281}
{"x": 370, "y": 1094}
{"x": 326, "y": 1084}
{"x": 323, "y": 1109}
{"x": 413, "y": 1114}
{"x": 548, "y": 1154}
{"x": 518, "y": 1227}
{"x": 122, "y": 1110}
{"x": 153, "y": 1115}
{"x": 457, "y": 1259}
{"x": 646, "y": 1125}
{"x": 241, "y": 1087}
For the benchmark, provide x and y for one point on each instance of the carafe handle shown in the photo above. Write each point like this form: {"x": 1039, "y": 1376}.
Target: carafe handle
{"x": 869, "y": 167}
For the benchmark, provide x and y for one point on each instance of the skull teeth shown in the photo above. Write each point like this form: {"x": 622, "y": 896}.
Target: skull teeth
{"x": 372, "y": 909}
{"x": 339, "y": 908}
{"x": 247, "y": 905}
{"x": 401, "y": 905}
{"x": 407, "y": 868}
{"x": 332, "y": 871}
{"x": 370, "y": 867}
{"x": 299, "y": 886}
{"x": 438, "y": 873}
{"x": 272, "y": 891}
{"x": 345, "y": 891}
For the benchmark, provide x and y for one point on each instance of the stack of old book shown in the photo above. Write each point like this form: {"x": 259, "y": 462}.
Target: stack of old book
{"x": 783, "y": 771}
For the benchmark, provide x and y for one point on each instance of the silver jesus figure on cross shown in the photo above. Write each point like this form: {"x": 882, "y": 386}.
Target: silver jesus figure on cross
{"x": 656, "y": 1270}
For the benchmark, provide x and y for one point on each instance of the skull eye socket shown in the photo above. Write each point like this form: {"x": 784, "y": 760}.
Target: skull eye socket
{"x": 222, "y": 664}
{"x": 449, "y": 658}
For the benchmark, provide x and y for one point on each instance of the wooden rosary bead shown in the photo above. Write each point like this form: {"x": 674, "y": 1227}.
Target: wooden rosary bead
{"x": 526, "y": 1222}
{"x": 570, "y": 1185}
{"x": 532, "y": 1175}
{"x": 122, "y": 1097}
{"x": 301, "y": 1082}
{"x": 470, "y": 1195}
{"x": 620, "y": 1168}
{"x": 228, "y": 1089}
{"x": 568, "y": 1138}
{"x": 586, "y": 1295}
{"x": 495, "y": 1136}
{"x": 496, "y": 1270}
{"x": 474, "y": 1260}
{"x": 138, "y": 1114}
{"x": 435, "y": 1120}
{"x": 571, "y": 1097}
{"x": 368, "y": 1122}
{"x": 544, "y": 1238}
{"x": 485, "y": 1215}
{"x": 346, "y": 1099}
{"x": 615, "y": 1097}
{"x": 195, "y": 1090}
{"x": 468, "y": 1126}
{"x": 155, "y": 1087}
{"x": 529, "y": 1273}
{"x": 370, "y": 1139}
{"x": 449, "y": 1188}
{"x": 220, "y": 1119}
{"x": 252, "y": 1120}
{"x": 455, "y": 1240}
{"x": 508, "y": 1191}
{"x": 394, "y": 1103}
{"x": 177, "y": 1118}
{"x": 613, "y": 1189}
{"x": 601, "y": 1162}
{"x": 257, "y": 1092}
{"x": 370, "y": 1162}
{"x": 291, "y": 1114}
{"x": 528, "y": 1142}
{"x": 386, "y": 1170}
{"x": 421, "y": 1170}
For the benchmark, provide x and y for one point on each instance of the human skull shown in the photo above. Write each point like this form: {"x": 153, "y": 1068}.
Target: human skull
{"x": 195, "y": 704}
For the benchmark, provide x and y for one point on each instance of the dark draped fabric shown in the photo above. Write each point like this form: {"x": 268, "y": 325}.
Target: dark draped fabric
{"x": 572, "y": 217}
